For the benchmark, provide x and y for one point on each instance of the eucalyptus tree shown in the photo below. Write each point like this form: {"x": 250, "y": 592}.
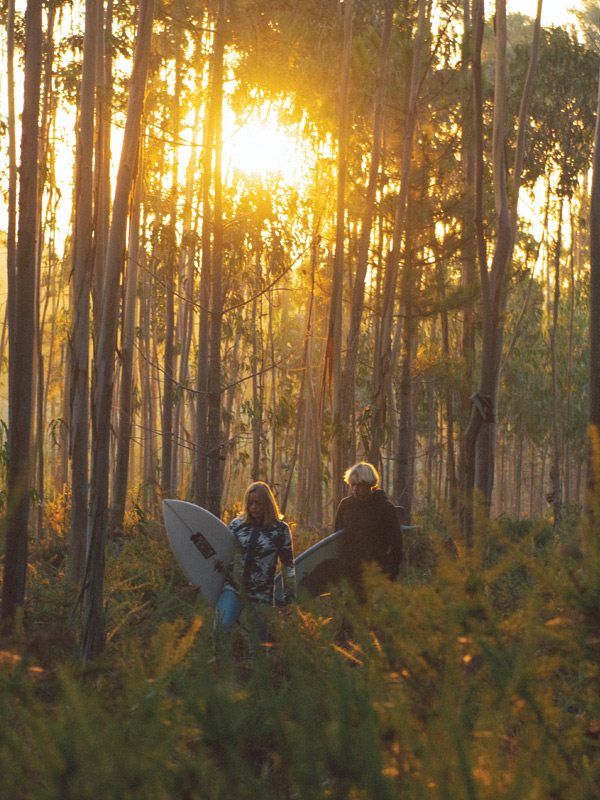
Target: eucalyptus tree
{"x": 347, "y": 388}
{"x": 333, "y": 348}
{"x": 383, "y": 346}
{"x": 201, "y": 421}
{"x": 214, "y": 441}
{"x": 19, "y": 475}
{"x": 494, "y": 277}
{"x": 559, "y": 152}
{"x": 83, "y": 254}
{"x": 594, "y": 407}
{"x": 11, "y": 232}
{"x": 93, "y": 629}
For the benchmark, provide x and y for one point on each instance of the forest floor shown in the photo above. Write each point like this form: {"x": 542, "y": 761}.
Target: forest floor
{"x": 471, "y": 676}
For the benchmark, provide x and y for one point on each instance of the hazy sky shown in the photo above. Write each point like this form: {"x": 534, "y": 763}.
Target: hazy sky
{"x": 554, "y": 12}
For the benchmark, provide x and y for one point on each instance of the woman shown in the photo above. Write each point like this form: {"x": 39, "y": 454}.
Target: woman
{"x": 373, "y": 532}
{"x": 261, "y": 540}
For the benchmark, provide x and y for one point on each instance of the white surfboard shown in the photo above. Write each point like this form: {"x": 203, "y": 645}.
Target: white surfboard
{"x": 317, "y": 568}
{"x": 202, "y": 544}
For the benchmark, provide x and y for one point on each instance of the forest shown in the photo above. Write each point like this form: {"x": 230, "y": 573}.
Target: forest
{"x": 246, "y": 240}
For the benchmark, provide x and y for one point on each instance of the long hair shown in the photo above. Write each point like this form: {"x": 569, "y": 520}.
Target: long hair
{"x": 272, "y": 513}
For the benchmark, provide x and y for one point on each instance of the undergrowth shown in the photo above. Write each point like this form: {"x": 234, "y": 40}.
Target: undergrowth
{"x": 474, "y": 675}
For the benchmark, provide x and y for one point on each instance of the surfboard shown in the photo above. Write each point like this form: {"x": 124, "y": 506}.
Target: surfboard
{"x": 317, "y": 568}
{"x": 202, "y": 545}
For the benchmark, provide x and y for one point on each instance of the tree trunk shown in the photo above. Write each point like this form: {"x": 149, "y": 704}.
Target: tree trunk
{"x": 83, "y": 256}
{"x": 556, "y": 469}
{"x": 11, "y": 233}
{"x": 383, "y": 365}
{"x": 594, "y": 402}
{"x": 126, "y": 353}
{"x": 93, "y": 629}
{"x": 170, "y": 368}
{"x": 22, "y": 337}
{"x": 169, "y": 364}
{"x": 256, "y": 369}
{"x": 348, "y": 387}
{"x": 310, "y": 422}
{"x": 201, "y": 452}
{"x": 213, "y": 496}
{"x": 186, "y": 306}
{"x": 472, "y": 240}
{"x": 102, "y": 148}
{"x": 494, "y": 282}
{"x": 333, "y": 348}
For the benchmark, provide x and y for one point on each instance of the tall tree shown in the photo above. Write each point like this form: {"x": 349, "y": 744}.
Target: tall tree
{"x": 594, "y": 409}
{"x": 383, "y": 345}
{"x": 93, "y": 629}
{"x": 333, "y": 349}
{"x": 22, "y": 338}
{"x": 494, "y": 278}
{"x": 11, "y": 232}
{"x": 348, "y": 384}
{"x": 126, "y": 353}
{"x": 201, "y": 451}
{"x": 83, "y": 256}
{"x": 214, "y": 442}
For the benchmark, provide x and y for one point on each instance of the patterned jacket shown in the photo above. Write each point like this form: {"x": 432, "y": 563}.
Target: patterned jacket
{"x": 254, "y": 573}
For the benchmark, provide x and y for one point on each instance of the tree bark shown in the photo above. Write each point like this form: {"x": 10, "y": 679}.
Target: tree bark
{"x": 213, "y": 496}
{"x": 556, "y": 470}
{"x": 201, "y": 452}
{"x": 102, "y": 149}
{"x": 383, "y": 365}
{"x": 83, "y": 259}
{"x": 22, "y": 338}
{"x": 594, "y": 402}
{"x": 348, "y": 386}
{"x": 93, "y": 628}
{"x": 495, "y": 280}
{"x": 333, "y": 348}
{"x": 11, "y": 233}
{"x": 126, "y": 354}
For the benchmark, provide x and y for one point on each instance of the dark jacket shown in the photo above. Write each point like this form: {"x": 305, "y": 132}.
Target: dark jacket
{"x": 373, "y": 533}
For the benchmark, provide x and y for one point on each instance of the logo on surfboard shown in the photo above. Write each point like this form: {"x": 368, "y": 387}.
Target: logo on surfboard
{"x": 203, "y": 545}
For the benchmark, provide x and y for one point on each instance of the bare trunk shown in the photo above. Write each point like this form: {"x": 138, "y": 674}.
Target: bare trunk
{"x": 201, "y": 453}
{"x": 333, "y": 349}
{"x": 126, "y": 353}
{"x": 22, "y": 337}
{"x": 348, "y": 387}
{"x": 383, "y": 365}
{"x": 83, "y": 257}
{"x": 518, "y": 476}
{"x": 93, "y": 629}
{"x": 213, "y": 495}
{"x": 186, "y": 306}
{"x": 103, "y": 148}
{"x": 169, "y": 368}
{"x": 310, "y": 496}
{"x": 11, "y": 237}
{"x": 479, "y": 436}
{"x": 556, "y": 469}
{"x": 257, "y": 380}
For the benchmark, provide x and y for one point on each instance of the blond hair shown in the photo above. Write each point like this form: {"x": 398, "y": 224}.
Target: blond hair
{"x": 272, "y": 513}
{"x": 363, "y": 472}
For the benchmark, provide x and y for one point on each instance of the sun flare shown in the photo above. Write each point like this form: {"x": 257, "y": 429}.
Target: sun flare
{"x": 264, "y": 147}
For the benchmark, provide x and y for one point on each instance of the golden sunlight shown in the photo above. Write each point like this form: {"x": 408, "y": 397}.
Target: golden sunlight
{"x": 262, "y": 146}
